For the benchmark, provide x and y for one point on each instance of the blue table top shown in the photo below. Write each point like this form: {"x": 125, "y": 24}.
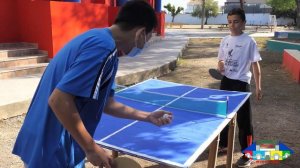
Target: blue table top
{"x": 198, "y": 113}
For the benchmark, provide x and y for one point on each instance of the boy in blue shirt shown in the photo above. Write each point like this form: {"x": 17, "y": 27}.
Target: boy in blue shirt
{"x": 76, "y": 88}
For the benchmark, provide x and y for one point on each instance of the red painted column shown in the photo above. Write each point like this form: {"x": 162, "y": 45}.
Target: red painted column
{"x": 86, "y": 1}
{"x": 112, "y": 14}
{"x": 9, "y": 28}
{"x": 35, "y": 23}
{"x": 113, "y": 3}
{"x": 160, "y": 30}
{"x": 152, "y": 3}
{"x": 105, "y": 2}
{"x": 70, "y": 19}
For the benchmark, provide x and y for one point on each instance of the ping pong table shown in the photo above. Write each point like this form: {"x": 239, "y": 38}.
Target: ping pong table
{"x": 199, "y": 115}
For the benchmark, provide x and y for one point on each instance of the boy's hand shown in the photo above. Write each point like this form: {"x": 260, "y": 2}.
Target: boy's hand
{"x": 259, "y": 94}
{"x": 97, "y": 156}
{"x": 221, "y": 68}
{"x": 160, "y": 117}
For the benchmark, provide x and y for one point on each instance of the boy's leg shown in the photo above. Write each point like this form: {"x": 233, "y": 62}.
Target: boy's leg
{"x": 244, "y": 116}
{"x": 244, "y": 121}
{"x": 226, "y": 84}
{"x": 224, "y": 138}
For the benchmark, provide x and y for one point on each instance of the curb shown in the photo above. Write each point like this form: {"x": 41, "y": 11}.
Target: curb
{"x": 147, "y": 74}
{"x": 14, "y": 109}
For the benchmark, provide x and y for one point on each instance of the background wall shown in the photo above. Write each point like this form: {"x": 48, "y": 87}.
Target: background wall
{"x": 51, "y": 24}
{"x": 34, "y": 23}
{"x": 9, "y": 29}
{"x": 70, "y": 19}
{"x": 252, "y": 19}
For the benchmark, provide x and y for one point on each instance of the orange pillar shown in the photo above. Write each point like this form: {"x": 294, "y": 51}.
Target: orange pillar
{"x": 160, "y": 30}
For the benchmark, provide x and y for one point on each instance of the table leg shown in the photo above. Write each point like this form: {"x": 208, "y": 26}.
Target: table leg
{"x": 230, "y": 145}
{"x": 213, "y": 153}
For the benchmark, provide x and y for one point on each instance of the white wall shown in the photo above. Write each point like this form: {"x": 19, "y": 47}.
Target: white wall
{"x": 252, "y": 19}
{"x": 249, "y": 1}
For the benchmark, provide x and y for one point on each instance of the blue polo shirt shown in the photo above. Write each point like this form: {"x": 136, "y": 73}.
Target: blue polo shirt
{"x": 86, "y": 68}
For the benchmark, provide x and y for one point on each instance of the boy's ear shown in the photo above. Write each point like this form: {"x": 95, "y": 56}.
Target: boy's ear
{"x": 140, "y": 31}
{"x": 244, "y": 27}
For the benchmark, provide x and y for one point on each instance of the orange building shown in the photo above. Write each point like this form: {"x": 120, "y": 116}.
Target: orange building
{"x": 51, "y": 24}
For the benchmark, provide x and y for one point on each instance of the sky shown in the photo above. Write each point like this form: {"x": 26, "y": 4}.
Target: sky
{"x": 183, "y": 3}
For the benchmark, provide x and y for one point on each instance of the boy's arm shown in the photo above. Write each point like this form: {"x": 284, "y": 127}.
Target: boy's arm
{"x": 257, "y": 78}
{"x": 221, "y": 67}
{"x": 221, "y": 58}
{"x": 63, "y": 106}
{"x": 120, "y": 110}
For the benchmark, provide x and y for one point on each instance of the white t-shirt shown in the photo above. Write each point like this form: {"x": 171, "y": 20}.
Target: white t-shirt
{"x": 238, "y": 52}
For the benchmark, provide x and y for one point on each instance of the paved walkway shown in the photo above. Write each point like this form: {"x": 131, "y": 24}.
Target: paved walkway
{"x": 157, "y": 59}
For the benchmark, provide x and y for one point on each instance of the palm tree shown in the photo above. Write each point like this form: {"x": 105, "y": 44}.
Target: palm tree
{"x": 209, "y": 9}
{"x": 173, "y": 10}
{"x": 242, "y": 4}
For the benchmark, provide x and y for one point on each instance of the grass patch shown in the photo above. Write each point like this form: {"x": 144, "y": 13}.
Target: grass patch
{"x": 262, "y": 42}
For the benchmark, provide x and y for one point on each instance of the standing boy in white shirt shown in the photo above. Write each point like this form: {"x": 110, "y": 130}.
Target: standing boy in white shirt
{"x": 237, "y": 54}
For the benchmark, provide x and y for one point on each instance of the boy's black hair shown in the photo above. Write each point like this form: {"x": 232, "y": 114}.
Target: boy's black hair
{"x": 136, "y": 13}
{"x": 238, "y": 11}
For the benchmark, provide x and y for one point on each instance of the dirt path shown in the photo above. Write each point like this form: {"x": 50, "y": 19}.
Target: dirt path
{"x": 277, "y": 117}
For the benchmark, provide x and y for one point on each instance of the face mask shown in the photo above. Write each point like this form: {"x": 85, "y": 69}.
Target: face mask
{"x": 135, "y": 50}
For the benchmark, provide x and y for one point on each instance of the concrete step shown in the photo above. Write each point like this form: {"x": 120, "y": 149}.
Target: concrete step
{"x": 17, "y": 45}
{"x": 18, "y": 71}
{"x": 18, "y": 49}
{"x": 18, "y": 59}
{"x": 203, "y": 45}
{"x": 24, "y": 60}
{"x": 17, "y": 52}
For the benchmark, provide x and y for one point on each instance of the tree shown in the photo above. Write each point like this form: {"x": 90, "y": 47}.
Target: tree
{"x": 286, "y": 8}
{"x": 298, "y": 13}
{"x": 202, "y": 14}
{"x": 173, "y": 10}
{"x": 211, "y": 9}
{"x": 242, "y": 4}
